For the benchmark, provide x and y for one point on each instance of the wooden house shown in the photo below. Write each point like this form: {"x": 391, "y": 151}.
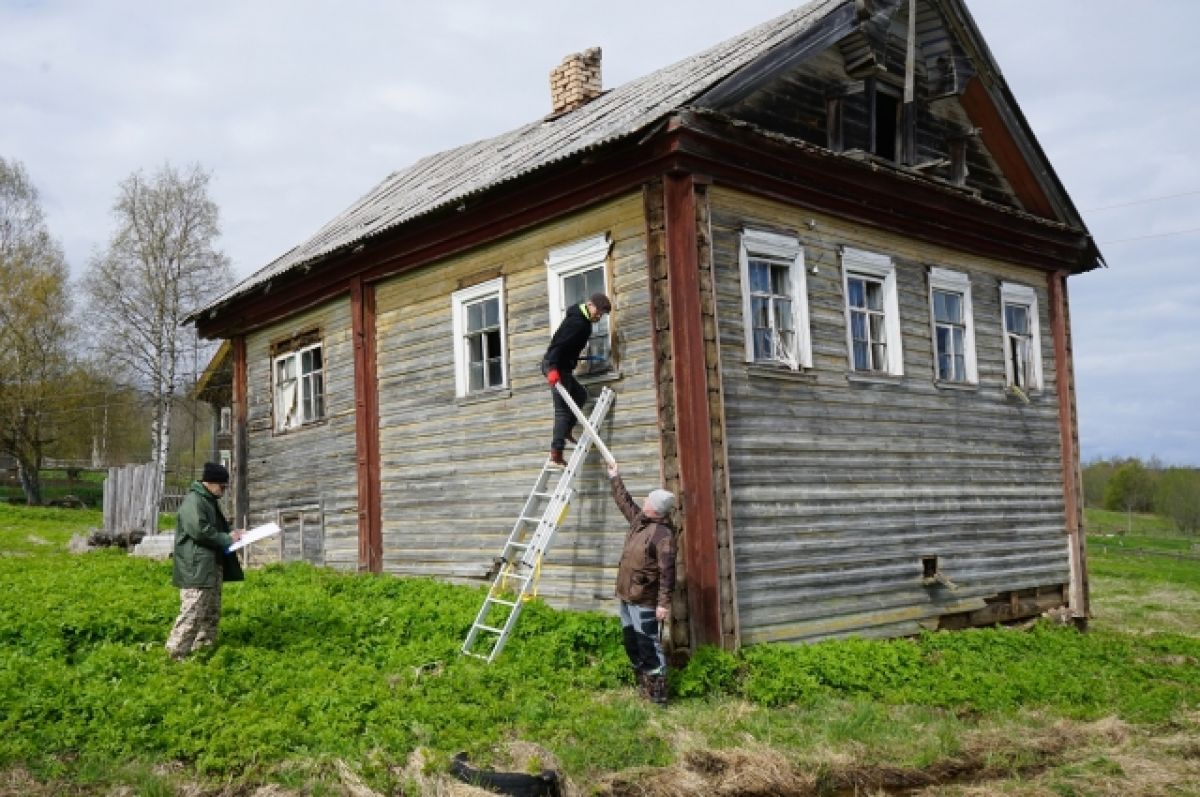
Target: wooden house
{"x": 839, "y": 263}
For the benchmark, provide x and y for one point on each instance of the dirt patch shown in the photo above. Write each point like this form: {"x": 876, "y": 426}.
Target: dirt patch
{"x": 987, "y": 758}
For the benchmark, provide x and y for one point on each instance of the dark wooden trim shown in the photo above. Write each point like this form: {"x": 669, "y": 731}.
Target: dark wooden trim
{"x": 241, "y": 437}
{"x": 366, "y": 426}
{"x": 1065, "y": 370}
{"x": 734, "y": 155}
{"x": 692, "y": 422}
{"x": 1004, "y": 150}
{"x": 867, "y": 194}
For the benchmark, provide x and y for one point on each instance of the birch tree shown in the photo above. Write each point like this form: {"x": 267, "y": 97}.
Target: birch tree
{"x": 161, "y": 263}
{"x": 35, "y": 351}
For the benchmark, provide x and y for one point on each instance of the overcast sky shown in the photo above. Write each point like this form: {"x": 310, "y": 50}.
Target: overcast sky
{"x": 298, "y": 108}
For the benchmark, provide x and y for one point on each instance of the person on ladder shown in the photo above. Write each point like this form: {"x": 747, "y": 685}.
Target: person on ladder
{"x": 559, "y": 363}
{"x": 645, "y": 581}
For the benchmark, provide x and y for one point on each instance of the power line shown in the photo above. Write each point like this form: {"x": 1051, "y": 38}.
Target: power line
{"x": 1145, "y": 237}
{"x": 1145, "y": 201}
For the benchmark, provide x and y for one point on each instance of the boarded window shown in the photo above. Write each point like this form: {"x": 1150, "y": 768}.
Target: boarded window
{"x": 302, "y": 534}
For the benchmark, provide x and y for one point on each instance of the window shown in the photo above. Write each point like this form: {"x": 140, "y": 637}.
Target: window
{"x": 225, "y": 457}
{"x": 299, "y": 386}
{"x": 872, "y": 313}
{"x": 775, "y": 300}
{"x": 479, "y": 338}
{"x": 302, "y": 534}
{"x": 574, "y": 272}
{"x": 953, "y": 326}
{"x": 226, "y": 420}
{"x": 1022, "y": 342}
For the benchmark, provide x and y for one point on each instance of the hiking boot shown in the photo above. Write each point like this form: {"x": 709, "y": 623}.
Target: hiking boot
{"x": 643, "y": 684}
{"x": 556, "y": 458}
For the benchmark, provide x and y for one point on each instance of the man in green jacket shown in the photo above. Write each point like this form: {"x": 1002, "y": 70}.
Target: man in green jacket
{"x": 202, "y": 537}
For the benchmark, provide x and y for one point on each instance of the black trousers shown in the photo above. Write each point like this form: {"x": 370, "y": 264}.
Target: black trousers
{"x": 564, "y": 419}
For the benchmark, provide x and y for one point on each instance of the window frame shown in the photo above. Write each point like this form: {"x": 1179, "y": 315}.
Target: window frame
{"x": 950, "y": 281}
{"x": 570, "y": 260}
{"x": 460, "y": 301}
{"x": 1012, "y": 293}
{"x": 878, "y": 267}
{"x": 775, "y": 246}
{"x": 279, "y": 423}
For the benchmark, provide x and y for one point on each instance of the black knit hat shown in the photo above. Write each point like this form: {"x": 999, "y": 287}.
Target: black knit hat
{"x": 215, "y": 473}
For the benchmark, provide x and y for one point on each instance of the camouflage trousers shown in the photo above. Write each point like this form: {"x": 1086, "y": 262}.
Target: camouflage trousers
{"x": 196, "y": 626}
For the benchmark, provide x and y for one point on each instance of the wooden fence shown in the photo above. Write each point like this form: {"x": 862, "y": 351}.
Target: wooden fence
{"x": 131, "y": 496}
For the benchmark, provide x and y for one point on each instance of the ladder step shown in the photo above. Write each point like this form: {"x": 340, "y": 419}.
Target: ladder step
{"x": 509, "y": 604}
{"x": 493, "y": 630}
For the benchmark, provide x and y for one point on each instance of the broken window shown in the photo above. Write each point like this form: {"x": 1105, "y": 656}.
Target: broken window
{"x": 575, "y": 272}
{"x": 298, "y": 380}
{"x": 872, "y": 313}
{"x": 479, "y": 337}
{"x": 953, "y": 326}
{"x": 775, "y": 300}
{"x": 1022, "y": 341}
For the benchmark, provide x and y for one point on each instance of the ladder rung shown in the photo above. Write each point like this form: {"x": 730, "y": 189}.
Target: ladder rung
{"x": 518, "y": 545}
{"x": 542, "y": 495}
{"x": 501, "y": 602}
{"x": 483, "y": 627}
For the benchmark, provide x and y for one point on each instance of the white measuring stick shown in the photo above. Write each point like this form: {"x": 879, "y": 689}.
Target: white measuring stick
{"x": 566, "y": 396}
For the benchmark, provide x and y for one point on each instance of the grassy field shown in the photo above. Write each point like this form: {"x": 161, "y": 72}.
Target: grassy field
{"x": 88, "y": 486}
{"x": 329, "y": 683}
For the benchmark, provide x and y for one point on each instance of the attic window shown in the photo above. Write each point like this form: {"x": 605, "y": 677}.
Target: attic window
{"x": 865, "y": 116}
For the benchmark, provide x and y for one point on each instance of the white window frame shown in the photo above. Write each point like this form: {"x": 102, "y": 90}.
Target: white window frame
{"x": 1013, "y": 293}
{"x": 760, "y": 243}
{"x": 569, "y": 260}
{"x": 872, "y": 265}
{"x": 288, "y": 407}
{"x": 459, "y": 301}
{"x": 226, "y": 420}
{"x": 948, "y": 281}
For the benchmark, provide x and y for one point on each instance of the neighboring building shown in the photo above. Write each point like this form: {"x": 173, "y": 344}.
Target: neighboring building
{"x": 839, "y": 264}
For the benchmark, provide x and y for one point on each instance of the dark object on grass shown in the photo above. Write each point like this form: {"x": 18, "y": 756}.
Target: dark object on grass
{"x": 122, "y": 539}
{"x": 515, "y": 784}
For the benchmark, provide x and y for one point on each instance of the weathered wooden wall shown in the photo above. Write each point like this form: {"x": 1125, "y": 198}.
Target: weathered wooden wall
{"x": 841, "y": 483}
{"x": 455, "y": 471}
{"x": 312, "y": 468}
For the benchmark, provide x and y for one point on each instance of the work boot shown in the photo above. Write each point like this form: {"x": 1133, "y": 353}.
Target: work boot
{"x": 643, "y": 683}
{"x": 658, "y": 689}
{"x": 556, "y": 458}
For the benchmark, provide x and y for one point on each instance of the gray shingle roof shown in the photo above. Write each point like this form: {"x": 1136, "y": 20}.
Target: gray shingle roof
{"x": 450, "y": 177}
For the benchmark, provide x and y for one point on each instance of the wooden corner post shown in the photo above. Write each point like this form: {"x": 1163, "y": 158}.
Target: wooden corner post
{"x": 693, "y": 427}
{"x": 366, "y": 426}
{"x": 1069, "y": 434}
{"x": 241, "y": 438}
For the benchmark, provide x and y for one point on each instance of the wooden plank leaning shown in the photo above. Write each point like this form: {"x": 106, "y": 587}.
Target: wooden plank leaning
{"x": 566, "y": 396}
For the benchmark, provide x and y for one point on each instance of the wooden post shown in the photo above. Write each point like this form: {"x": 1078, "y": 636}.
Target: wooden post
{"x": 366, "y": 426}
{"x": 1065, "y": 370}
{"x": 692, "y": 420}
{"x": 241, "y": 436}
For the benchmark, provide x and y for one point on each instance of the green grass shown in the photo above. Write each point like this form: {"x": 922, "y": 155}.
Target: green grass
{"x": 56, "y": 484}
{"x": 317, "y": 666}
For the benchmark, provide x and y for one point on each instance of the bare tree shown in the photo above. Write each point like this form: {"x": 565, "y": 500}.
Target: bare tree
{"x": 35, "y": 347}
{"x": 160, "y": 265}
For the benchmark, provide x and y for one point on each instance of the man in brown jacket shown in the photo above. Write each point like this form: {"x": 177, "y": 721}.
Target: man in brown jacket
{"x": 645, "y": 580}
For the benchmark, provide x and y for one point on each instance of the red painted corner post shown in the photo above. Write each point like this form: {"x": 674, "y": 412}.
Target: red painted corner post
{"x": 241, "y": 488}
{"x": 366, "y": 427}
{"x": 692, "y": 420}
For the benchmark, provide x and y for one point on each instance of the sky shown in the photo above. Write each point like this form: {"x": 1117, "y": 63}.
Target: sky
{"x": 298, "y": 108}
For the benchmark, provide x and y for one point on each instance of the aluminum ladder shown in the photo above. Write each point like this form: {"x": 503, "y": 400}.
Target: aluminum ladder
{"x": 520, "y": 563}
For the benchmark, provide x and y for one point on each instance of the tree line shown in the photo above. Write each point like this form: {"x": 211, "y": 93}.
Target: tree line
{"x": 1131, "y": 485}
{"x": 95, "y": 370}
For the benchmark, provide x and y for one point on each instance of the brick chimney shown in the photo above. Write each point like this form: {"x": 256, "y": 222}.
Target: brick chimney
{"x": 576, "y": 81}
